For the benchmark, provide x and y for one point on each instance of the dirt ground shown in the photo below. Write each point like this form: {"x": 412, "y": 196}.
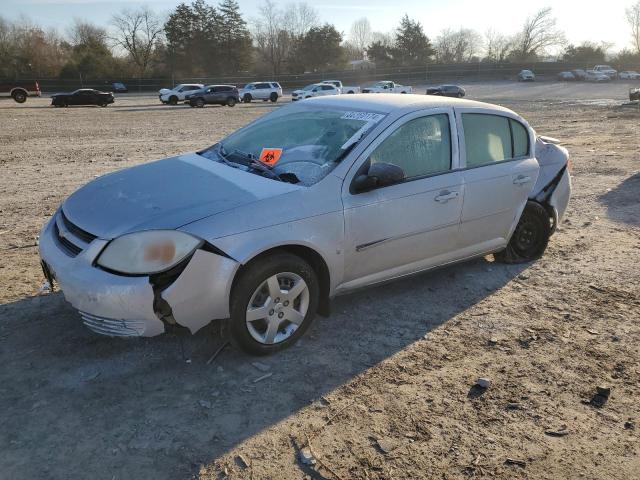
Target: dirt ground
{"x": 383, "y": 388}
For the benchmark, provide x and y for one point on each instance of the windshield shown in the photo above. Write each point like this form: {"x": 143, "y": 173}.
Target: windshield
{"x": 308, "y": 141}
{"x": 309, "y": 87}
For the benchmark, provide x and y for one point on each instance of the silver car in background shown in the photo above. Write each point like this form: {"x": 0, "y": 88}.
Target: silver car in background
{"x": 312, "y": 200}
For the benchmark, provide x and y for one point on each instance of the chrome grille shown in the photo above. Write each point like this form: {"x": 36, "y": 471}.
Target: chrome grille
{"x": 71, "y": 238}
{"x": 113, "y": 327}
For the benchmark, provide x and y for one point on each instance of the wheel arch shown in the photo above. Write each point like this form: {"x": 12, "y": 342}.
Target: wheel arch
{"x": 310, "y": 255}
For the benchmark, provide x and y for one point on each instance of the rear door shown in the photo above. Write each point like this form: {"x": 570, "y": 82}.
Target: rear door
{"x": 500, "y": 171}
{"x": 412, "y": 225}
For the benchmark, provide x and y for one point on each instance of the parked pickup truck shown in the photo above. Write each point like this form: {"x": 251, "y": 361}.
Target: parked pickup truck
{"x": 386, "y": 86}
{"x": 342, "y": 88}
{"x": 19, "y": 91}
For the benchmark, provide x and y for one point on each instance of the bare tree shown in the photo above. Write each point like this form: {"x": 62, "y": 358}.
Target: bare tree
{"x": 497, "y": 46}
{"x": 277, "y": 32}
{"x": 360, "y": 35}
{"x": 633, "y": 17}
{"x": 137, "y": 32}
{"x": 458, "y": 46}
{"x": 538, "y": 33}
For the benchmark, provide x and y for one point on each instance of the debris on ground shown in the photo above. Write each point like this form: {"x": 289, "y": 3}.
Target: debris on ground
{"x": 601, "y": 396}
{"x": 386, "y": 445}
{"x": 483, "y": 383}
{"x": 263, "y": 367}
{"x": 517, "y": 463}
{"x": 561, "y": 432}
{"x": 306, "y": 457}
{"x": 242, "y": 461}
{"x": 263, "y": 377}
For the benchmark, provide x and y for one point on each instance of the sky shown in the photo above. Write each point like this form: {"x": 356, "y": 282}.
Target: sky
{"x": 580, "y": 20}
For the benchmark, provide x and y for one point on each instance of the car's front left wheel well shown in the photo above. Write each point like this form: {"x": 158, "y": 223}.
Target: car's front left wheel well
{"x": 314, "y": 259}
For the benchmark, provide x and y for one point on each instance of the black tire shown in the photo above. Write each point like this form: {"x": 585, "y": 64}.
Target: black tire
{"x": 247, "y": 98}
{"x": 250, "y": 280}
{"x": 19, "y": 96}
{"x": 530, "y": 238}
{"x": 200, "y": 102}
{"x": 173, "y": 100}
{"x": 231, "y": 102}
{"x": 273, "y": 97}
{"x": 103, "y": 104}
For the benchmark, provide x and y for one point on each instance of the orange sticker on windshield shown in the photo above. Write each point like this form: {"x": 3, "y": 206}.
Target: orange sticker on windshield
{"x": 270, "y": 156}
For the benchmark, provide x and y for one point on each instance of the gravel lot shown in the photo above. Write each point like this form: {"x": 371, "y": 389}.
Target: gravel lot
{"x": 383, "y": 389}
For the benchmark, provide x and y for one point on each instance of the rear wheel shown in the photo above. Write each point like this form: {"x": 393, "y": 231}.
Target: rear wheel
{"x": 273, "y": 303}
{"x": 530, "y": 238}
{"x": 231, "y": 102}
{"x": 19, "y": 96}
{"x": 273, "y": 97}
{"x": 200, "y": 102}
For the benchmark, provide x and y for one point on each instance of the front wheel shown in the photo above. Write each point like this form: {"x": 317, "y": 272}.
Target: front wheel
{"x": 530, "y": 238}
{"x": 19, "y": 96}
{"x": 273, "y": 303}
{"x": 246, "y": 98}
{"x": 173, "y": 100}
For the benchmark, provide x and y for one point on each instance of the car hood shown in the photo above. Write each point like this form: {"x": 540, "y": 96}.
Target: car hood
{"x": 164, "y": 91}
{"x": 165, "y": 194}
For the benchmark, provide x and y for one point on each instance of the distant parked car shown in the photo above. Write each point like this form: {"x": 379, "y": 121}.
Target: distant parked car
{"x": 19, "y": 91}
{"x": 214, "y": 95}
{"x": 119, "y": 87}
{"x": 607, "y": 70}
{"x": 596, "y": 77}
{"x": 566, "y": 76}
{"x": 314, "y": 90}
{"x": 261, "y": 91}
{"x": 579, "y": 73}
{"x": 526, "y": 76}
{"x": 342, "y": 88}
{"x": 634, "y": 94}
{"x": 629, "y": 75}
{"x": 386, "y": 86}
{"x": 176, "y": 94}
{"x": 83, "y": 96}
{"x": 447, "y": 91}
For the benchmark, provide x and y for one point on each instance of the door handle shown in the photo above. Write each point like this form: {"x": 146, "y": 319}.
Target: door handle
{"x": 521, "y": 180}
{"x": 445, "y": 196}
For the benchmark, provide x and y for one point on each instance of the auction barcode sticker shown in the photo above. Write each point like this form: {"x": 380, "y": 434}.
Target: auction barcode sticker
{"x": 364, "y": 116}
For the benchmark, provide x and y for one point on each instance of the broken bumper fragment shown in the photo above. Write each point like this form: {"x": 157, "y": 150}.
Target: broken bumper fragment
{"x": 120, "y": 305}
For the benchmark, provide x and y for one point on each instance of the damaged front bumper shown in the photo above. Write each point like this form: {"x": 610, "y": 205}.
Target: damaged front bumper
{"x": 119, "y": 305}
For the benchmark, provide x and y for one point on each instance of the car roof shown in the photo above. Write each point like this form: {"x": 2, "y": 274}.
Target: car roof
{"x": 390, "y": 102}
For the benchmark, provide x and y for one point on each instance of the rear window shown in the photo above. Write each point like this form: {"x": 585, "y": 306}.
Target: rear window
{"x": 493, "y": 138}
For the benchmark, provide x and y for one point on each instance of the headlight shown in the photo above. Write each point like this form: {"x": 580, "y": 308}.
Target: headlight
{"x": 147, "y": 252}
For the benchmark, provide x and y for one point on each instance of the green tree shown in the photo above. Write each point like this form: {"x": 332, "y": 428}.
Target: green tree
{"x": 380, "y": 54}
{"x": 411, "y": 46}
{"x": 234, "y": 38}
{"x": 585, "y": 54}
{"x": 318, "y": 50}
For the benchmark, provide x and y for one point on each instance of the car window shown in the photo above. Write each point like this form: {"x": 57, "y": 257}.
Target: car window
{"x": 488, "y": 138}
{"x": 520, "y": 139}
{"x": 327, "y": 87}
{"x": 262, "y": 85}
{"x": 420, "y": 147}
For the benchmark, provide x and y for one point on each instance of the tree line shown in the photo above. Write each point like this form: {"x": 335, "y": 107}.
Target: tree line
{"x": 199, "y": 39}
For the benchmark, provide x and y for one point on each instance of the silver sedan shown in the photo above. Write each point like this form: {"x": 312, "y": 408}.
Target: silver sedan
{"x": 312, "y": 200}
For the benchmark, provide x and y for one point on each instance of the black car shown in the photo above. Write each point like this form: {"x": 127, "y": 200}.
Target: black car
{"x": 447, "y": 91}
{"x": 634, "y": 94}
{"x": 119, "y": 87}
{"x": 83, "y": 96}
{"x": 214, "y": 95}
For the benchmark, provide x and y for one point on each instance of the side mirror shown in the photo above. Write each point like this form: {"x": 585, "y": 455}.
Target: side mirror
{"x": 379, "y": 175}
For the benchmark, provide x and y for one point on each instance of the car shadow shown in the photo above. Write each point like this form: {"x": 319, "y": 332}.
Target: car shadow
{"x": 79, "y": 405}
{"x": 623, "y": 202}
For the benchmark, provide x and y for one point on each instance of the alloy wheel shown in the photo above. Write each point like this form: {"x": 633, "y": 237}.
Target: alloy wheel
{"x": 277, "y": 308}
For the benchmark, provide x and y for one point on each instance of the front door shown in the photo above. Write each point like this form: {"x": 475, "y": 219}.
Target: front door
{"x": 412, "y": 225}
